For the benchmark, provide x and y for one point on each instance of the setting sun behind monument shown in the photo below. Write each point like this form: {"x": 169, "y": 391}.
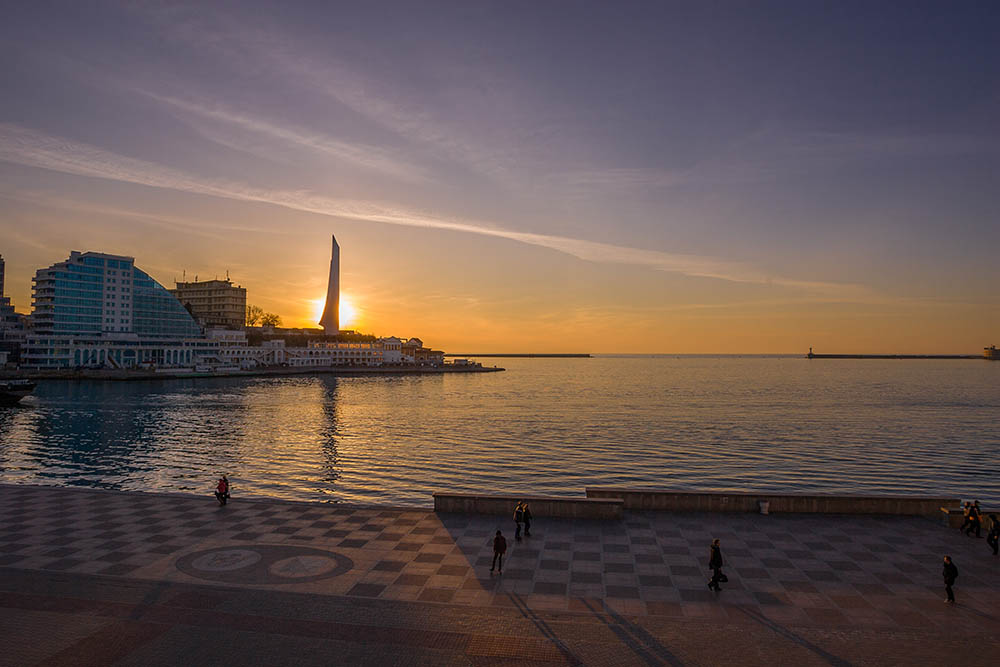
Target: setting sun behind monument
{"x": 348, "y": 312}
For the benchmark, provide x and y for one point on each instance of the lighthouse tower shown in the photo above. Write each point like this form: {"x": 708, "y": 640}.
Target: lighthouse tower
{"x": 331, "y": 312}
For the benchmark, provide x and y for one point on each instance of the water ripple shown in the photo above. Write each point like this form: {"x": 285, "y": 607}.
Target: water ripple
{"x": 544, "y": 426}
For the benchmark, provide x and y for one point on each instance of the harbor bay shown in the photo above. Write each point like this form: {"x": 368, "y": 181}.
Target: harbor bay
{"x": 546, "y": 426}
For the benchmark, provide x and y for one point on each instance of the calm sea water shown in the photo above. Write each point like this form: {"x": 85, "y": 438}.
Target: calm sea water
{"x": 548, "y": 426}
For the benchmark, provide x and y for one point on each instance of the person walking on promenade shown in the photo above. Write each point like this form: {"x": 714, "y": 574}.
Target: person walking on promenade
{"x": 715, "y": 562}
{"x": 966, "y": 517}
{"x": 993, "y": 537}
{"x": 222, "y": 490}
{"x": 950, "y": 573}
{"x": 975, "y": 521}
{"x": 499, "y": 549}
{"x": 527, "y": 519}
{"x": 518, "y": 518}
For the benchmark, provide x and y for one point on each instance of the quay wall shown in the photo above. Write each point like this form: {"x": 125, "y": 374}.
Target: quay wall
{"x": 541, "y": 506}
{"x": 953, "y": 517}
{"x": 182, "y": 374}
{"x": 697, "y": 501}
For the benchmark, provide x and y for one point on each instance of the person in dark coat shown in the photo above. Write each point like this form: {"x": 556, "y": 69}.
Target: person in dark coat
{"x": 499, "y": 549}
{"x": 993, "y": 537}
{"x": 518, "y": 518}
{"x": 527, "y": 519}
{"x": 975, "y": 520}
{"x": 715, "y": 562}
{"x": 950, "y": 573}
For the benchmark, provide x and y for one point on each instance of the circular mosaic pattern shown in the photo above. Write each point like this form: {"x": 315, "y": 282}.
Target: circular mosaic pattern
{"x": 225, "y": 560}
{"x": 264, "y": 564}
{"x": 298, "y": 567}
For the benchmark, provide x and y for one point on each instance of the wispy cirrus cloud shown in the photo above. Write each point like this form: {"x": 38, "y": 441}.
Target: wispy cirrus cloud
{"x": 27, "y": 147}
{"x": 362, "y": 155}
{"x": 390, "y": 105}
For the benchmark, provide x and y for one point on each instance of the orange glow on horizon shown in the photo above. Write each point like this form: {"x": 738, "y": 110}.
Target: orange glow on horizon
{"x": 349, "y": 313}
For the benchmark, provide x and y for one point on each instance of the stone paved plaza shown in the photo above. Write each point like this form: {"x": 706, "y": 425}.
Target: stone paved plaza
{"x": 91, "y": 577}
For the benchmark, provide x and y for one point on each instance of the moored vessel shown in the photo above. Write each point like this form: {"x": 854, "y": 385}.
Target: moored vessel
{"x": 12, "y": 391}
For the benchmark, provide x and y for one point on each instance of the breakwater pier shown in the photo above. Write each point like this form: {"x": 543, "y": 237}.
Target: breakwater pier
{"x": 526, "y": 355}
{"x": 106, "y": 577}
{"x": 990, "y": 353}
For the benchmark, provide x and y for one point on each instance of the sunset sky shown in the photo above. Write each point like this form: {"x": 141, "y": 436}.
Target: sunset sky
{"x": 527, "y": 176}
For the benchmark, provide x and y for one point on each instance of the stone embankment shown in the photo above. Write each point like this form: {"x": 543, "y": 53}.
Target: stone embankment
{"x": 541, "y": 506}
{"x": 610, "y": 502}
{"x": 169, "y": 374}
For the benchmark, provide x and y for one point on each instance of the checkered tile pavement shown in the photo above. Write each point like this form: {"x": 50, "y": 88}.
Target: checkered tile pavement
{"x": 824, "y": 570}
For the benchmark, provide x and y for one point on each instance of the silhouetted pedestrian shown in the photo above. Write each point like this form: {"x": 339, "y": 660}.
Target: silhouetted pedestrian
{"x": 499, "y": 549}
{"x": 966, "y": 516}
{"x": 527, "y": 519}
{"x": 715, "y": 563}
{"x": 950, "y": 573}
{"x": 222, "y": 490}
{"x": 975, "y": 520}
{"x": 518, "y": 518}
{"x": 993, "y": 537}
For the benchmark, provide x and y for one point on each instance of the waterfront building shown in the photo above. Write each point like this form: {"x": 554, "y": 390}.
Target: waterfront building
{"x": 322, "y": 353}
{"x": 234, "y": 352}
{"x": 414, "y": 352}
{"x": 98, "y": 309}
{"x": 330, "y": 321}
{"x": 12, "y": 323}
{"x": 392, "y": 350}
{"x": 214, "y": 303}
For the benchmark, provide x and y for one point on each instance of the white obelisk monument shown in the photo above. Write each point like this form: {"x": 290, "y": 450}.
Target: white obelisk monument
{"x": 331, "y": 312}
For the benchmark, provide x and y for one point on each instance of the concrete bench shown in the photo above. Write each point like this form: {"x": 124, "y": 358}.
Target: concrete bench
{"x": 954, "y": 516}
{"x": 541, "y": 506}
{"x": 779, "y": 503}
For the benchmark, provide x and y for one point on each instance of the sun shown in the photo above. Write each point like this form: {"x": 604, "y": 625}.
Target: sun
{"x": 349, "y": 313}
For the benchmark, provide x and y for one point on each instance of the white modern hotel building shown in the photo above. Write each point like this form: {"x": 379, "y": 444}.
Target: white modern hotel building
{"x": 96, "y": 309}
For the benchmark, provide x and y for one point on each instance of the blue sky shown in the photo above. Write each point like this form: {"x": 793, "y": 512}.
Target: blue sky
{"x": 785, "y": 174}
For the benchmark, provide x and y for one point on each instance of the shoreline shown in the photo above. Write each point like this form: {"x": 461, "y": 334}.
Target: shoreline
{"x": 589, "y": 493}
{"x": 170, "y": 374}
{"x": 525, "y": 355}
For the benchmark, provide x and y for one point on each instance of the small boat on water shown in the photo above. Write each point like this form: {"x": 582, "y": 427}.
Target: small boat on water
{"x": 12, "y": 391}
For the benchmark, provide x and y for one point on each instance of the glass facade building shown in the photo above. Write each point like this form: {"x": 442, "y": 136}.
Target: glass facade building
{"x": 96, "y": 309}
{"x": 96, "y": 294}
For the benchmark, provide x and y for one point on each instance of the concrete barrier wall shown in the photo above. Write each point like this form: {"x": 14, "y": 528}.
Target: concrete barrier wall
{"x": 953, "y": 517}
{"x": 541, "y": 506}
{"x": 696, "y": 501}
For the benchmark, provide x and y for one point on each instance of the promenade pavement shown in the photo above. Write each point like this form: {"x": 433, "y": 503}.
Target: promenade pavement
{"x": 93, "y": 577}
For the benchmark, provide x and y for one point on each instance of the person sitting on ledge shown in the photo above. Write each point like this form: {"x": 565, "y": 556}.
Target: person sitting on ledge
{"x": 222, "y": 490}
